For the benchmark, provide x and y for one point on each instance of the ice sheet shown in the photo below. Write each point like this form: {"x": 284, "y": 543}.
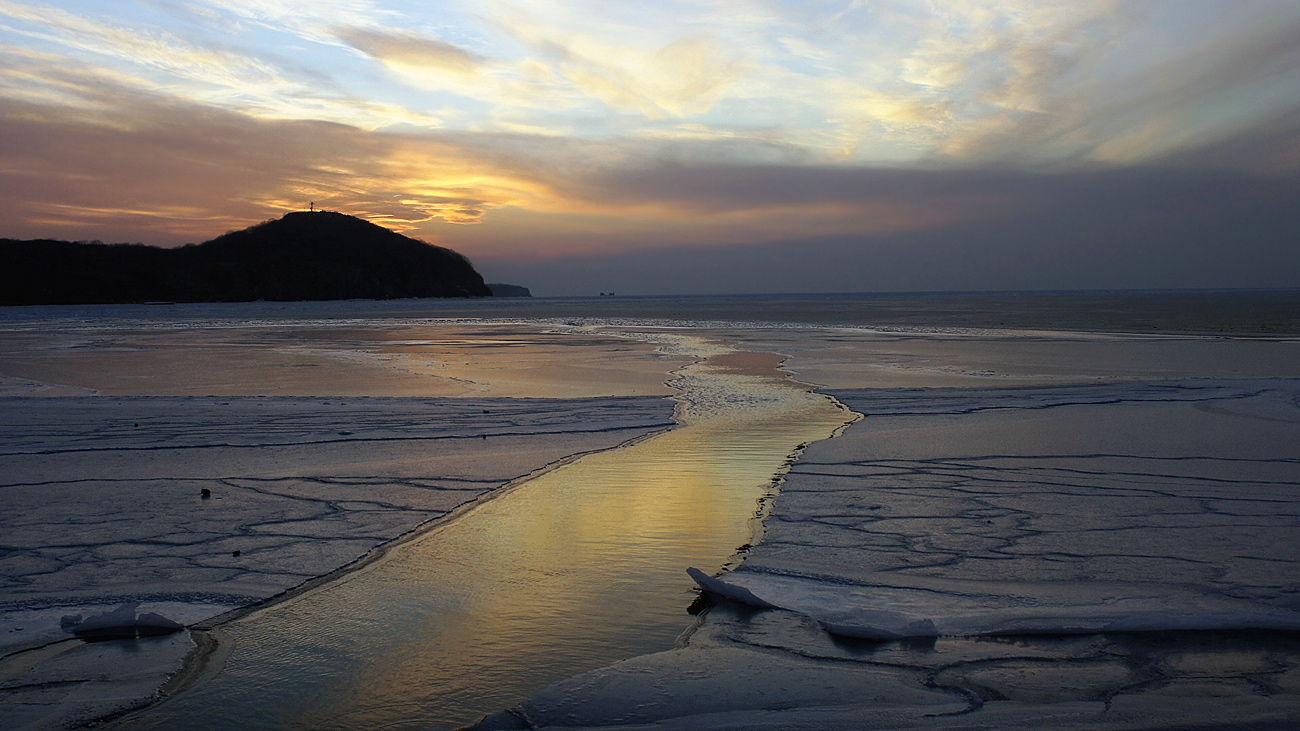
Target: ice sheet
{"x": 103, "y": 497}
{"x": 1136, "y": 506}
{"x": 101, "y": 503}
{"x": 329, "y": 352}
{"x": 774, "y": 669}
{"x": 1118, "y": 555}
{"x": 851, "y": 358}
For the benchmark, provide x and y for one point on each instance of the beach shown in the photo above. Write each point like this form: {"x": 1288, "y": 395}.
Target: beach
{"x": 992, "y": 526}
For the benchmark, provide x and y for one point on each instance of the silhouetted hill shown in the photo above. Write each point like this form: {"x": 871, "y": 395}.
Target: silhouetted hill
{"x": 303, "y": 256}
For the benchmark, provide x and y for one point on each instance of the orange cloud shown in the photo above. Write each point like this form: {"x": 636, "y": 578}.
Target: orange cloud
{"x": 121, "y": 165}
{"x": 166, "y": 173}
{"x": 148, "y": 169}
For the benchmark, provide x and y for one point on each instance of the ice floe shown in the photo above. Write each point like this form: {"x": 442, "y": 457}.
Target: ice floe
{"x": 124, "y": 622}
{"x": 1118, "y": 556}
{"x": 1043, "y": 511}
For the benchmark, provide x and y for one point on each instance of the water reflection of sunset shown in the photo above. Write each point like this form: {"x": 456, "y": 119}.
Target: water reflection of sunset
{"x": 578, "y": 567}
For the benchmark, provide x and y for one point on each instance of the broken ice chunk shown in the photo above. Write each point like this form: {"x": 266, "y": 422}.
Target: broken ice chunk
{"x": 120, "y": 623}
{"x": 729, "y": 591}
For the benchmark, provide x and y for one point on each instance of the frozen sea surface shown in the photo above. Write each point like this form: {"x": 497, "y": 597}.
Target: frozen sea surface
{"x": 1002, "y": 558}
{"x": 982, "y": 483}
{"x": 1131, "y": 507}
{"x": 101, "y": 503}
{"x": 571, "y": 570}
{"x": 319, "y": 430}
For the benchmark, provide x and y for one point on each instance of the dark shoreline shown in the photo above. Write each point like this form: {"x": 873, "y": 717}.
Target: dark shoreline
{"x": 1237, "y": 313}
{"x": 1208, "y": 312}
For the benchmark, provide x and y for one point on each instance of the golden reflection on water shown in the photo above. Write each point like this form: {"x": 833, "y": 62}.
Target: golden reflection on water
{"x": 575, "y": 569}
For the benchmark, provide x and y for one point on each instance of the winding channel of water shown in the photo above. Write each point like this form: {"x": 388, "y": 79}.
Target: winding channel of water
{"x": 574, "y": 569}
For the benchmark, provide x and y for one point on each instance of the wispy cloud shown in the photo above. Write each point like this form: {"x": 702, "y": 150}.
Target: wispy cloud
{"x": 138, "y": 158}
{"x": 404, "y": 49}
{"x": 204, "y": 71}
{"x": 676, "y": 79}
{"x": 890, "y": 81}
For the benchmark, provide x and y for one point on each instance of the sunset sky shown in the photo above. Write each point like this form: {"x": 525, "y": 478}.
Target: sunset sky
{"x": 664, "y": 147}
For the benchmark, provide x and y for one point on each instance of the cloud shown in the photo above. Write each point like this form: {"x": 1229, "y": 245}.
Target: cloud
{"x": 159, "y": 51}
{"x": 310, "y": 20}
{"x": 698, "y": 198}
{"x": 1221, "y": 89}
{"x": 1065, "y": 82}
{"x": 681, "y": 78}
{"x": 1121, "y": 83}
{"x": 124, "y": 164}
{"x": 568, "y": 132}
{"x": 1102, "y": 230}
{"x": 189, "y": 70}
{"x": 411, "y": 50}
{"x": 148, "y": 168}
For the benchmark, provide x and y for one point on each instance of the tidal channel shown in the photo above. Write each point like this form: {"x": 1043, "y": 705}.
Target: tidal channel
{"x": 574, "y": 569}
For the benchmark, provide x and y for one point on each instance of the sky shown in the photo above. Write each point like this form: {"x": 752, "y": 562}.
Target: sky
{"x": 665, "y": 146}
